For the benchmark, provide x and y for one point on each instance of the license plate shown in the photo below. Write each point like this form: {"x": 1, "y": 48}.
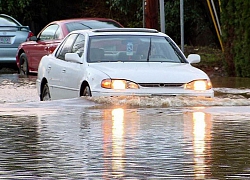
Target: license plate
{"x": 4, "y": 40}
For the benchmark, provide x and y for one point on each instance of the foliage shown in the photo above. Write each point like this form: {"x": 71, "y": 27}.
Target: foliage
{"x": 24, "y": 11}
{"x": 228, "y": 34}
{"x": 15, "y": 6}
{"x": 199, "y": 30}
{"x": 38, "y": 13}
{"x": 236, "y": 36}
{"x": 131, "y": 11}
{"x": 196, "y": 21}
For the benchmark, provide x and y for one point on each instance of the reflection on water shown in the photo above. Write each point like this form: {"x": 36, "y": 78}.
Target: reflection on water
{"x": 197, "y": 131}
{"x": 201, "y": 136}
{"x": 230, "y": 82}
{"x": 20, "y": 145}
{"x": 75, "y": 142}
{"x": 199, "y": 144}
{"x": 117, "y": 142}
{"x": 124, "y": 137}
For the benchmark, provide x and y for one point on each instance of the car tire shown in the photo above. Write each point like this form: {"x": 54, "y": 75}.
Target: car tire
{"x": 45, "y": 95}
{"x": 23, "y": 66}
{"x": 86, "y": 91}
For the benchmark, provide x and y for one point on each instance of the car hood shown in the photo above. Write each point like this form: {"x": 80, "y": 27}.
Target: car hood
{"x": 151, "y": 72}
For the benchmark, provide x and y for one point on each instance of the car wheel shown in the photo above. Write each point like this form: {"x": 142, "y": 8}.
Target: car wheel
{"x": 45, "y": 96}
{"x": 23, "y": 67}
{"x": 86, "y": 91}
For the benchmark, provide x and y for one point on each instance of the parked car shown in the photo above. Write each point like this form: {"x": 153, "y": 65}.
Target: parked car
{"x": 110, "y": 62}
{"x": 30, "y": 53}
{"x": 12, "y": 33}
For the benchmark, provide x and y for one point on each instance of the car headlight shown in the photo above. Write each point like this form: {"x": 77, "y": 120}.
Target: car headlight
{"x": 199, "y": 85}
{"x": 118, "y": 84}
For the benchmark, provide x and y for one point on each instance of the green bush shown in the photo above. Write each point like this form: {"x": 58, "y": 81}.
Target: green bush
{"x": 235, "y": 30}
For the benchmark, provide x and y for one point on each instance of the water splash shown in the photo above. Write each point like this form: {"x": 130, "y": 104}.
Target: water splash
{"x": 164, "y": 101}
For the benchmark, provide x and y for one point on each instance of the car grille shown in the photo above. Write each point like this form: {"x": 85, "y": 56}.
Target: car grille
{"x": 161, "y": 84}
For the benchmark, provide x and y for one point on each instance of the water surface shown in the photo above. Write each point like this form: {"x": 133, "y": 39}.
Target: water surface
{"x": 124, "y": 137}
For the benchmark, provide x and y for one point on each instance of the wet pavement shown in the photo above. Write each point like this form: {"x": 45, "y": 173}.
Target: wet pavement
{"x": 123, "y": 138}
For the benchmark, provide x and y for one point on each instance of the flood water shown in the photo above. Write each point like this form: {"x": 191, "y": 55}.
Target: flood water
{"x": 125, "y": 137}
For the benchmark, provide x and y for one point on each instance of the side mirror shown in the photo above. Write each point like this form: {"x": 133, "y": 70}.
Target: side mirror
{"x": 194, "y": 58}
{"x": 73, "y": 57}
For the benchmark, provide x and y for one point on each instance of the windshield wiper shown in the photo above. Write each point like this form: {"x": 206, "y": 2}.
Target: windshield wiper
{"x": 86, "y": 25}
{"x": 149, "y": 50}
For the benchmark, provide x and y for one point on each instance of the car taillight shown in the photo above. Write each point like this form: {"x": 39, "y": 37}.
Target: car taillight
{"x": 29, "y": 35}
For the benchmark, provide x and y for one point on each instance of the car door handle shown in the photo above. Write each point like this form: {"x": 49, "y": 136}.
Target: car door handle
{"x": 48, "y": 68}
{"x": 64, "y": 71}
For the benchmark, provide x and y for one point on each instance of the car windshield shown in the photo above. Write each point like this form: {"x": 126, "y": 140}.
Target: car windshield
{"x": 133, "y": 48}
{"x": 91, "y": 24}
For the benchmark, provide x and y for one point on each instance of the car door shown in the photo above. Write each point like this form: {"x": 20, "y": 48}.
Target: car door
{"x": 72, "y": 71}
{"x": 59, "y": 67}
{"x": 46, "y": 42}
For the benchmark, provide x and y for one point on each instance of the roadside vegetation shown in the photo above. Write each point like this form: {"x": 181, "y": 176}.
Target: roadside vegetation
{"x": 212, "y": 61}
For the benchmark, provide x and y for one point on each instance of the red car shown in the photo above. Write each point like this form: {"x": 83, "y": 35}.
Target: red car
{"x": 30, "y": 53}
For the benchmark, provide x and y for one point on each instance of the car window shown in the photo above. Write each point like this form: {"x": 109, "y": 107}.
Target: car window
{"x": 78, "y": 46}
{"x": 66, "y": 46}
{"x": 49, "y": 33}
{"x": 133, "y": 48}
{"x": 91, "y": 24}
{"x": 95, "y": 24}
{"x": 6, "y": 21}
{"x": 58, "y": 33}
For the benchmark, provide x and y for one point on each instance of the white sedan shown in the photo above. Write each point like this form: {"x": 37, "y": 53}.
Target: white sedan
{"x": 123, "y": 61}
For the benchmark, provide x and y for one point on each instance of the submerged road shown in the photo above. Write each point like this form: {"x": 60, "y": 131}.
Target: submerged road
{"x": 122, "y": 138}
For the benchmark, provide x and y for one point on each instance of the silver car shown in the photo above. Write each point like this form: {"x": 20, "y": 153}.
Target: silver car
{"x": 12, "y": 33}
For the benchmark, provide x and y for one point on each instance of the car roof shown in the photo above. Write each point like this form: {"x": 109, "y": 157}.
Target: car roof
{"x": 64, "y": 21}
{"x": 120, "y": 31}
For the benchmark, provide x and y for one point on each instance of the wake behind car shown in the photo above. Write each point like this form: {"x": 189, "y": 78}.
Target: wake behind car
{"x": 122, "y": 61}
{"x": 30, "y": 53}
{"x": 12, "y": 34}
